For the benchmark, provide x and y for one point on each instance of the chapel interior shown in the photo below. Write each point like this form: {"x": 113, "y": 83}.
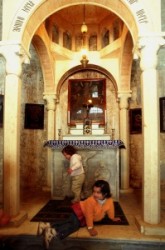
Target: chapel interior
{"x": 83, "y": 81}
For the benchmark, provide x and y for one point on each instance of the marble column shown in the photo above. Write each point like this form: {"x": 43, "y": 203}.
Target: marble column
{"x": 51, "y": 107}
{"x": 124, "y": 136}
{"x": 148, "y": 48}
{"x": 14, "y": 56}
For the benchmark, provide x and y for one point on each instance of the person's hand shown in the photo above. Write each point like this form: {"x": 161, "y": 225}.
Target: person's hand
{"x": 69, "y": 170}
{"x": 92, "y": 232}
{"x": 117, "y": 219}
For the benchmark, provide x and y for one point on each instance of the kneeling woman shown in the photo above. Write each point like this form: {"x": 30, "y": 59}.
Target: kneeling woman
{"x": 85, "y": 213}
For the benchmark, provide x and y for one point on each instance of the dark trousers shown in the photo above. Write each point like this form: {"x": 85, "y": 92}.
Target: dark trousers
{"x": 66, "y": 227}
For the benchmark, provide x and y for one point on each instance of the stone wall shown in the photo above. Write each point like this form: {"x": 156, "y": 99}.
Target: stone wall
{"x": 1, "y": 130}
{"x": 32, "y": 153}
{"x": 161, "y": 75}
{"x": 136, "y": 148}
{"x": 0, "y": 20}
{"x": 163, "y": 14}
{"x": 2, "y": 80}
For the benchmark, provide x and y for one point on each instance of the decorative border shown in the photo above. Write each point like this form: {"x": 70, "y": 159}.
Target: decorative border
{"x": 1, "y": 110}
{"x": 34, "y": 116}
{"x": 135, "y": 121}
{"x": 85, "y": 144}
{"x": 162, "y": 114}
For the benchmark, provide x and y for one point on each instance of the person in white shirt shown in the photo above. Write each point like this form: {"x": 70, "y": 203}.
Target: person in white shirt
{"x": 75, "y": 170}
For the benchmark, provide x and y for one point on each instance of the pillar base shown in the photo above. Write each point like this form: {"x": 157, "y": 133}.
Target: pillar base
{"x": 18, "y": 220}
{"x": 149, "y": 229}
{"x": 126, "y": 191}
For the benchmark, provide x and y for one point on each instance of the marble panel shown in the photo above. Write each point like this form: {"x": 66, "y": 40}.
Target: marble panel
{"x": 98, "y": 164}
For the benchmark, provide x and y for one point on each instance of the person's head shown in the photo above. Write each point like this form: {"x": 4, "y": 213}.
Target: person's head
{"x": 68, "y": 151}
{"x": 101, "y": 190}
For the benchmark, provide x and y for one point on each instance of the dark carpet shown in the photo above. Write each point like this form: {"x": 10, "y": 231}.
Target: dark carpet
{"x": 31, "y": 242}
{"x": 56, "y": 210}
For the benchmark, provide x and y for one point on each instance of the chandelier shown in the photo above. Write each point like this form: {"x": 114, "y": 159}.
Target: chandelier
{"x": 84, "y": 30}
{"x": 84, "y": 27}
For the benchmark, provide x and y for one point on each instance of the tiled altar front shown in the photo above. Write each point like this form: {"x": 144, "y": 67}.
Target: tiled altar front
{"x": 100, "y": 160}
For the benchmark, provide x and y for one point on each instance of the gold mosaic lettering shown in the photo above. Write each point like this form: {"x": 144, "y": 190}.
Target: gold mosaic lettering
{"x": 141, "y": 16}
{"x": 28, "y": 6}
{"x": 18, "y": 24}
{"x": 132, "y": 1}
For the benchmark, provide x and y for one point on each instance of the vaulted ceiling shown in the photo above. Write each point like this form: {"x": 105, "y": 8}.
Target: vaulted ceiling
{"x": 74, "y": 16}
{"x": 92, "y": 14}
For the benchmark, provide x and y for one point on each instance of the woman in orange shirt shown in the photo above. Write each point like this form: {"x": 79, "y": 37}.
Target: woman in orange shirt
{"x": 85, "y": 213}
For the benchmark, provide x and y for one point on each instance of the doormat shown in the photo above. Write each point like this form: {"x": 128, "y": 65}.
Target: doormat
{"x": 56, "y": 210}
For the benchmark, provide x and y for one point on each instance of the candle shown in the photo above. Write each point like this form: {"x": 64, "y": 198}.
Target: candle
{"x": 105, "y": 116}
{"x": 68, "y": 116}
{"x": 113, "y": 122}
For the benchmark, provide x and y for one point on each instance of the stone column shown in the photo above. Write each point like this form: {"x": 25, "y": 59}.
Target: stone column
{"x": 148, "y": 48}
{"x": 14, "y": 56}
{"x": 124, "y": 136}
{"x": 51, "y": 107}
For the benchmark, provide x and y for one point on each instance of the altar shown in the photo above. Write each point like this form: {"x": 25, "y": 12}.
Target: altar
{"x": 100, "y": 161}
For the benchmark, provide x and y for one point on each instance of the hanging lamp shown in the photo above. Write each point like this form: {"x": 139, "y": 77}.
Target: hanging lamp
{"x": 84, "y": 60}
{"x": 84, "y": 27}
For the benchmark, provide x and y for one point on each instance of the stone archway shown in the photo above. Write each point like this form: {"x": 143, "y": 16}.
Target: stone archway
{"x": 32, "y": 14}
{"x": 24, "y": 26}
{"x": 127, "y": 58}
{"x": 88, "y": 67}
{"x": 46, "y": 62}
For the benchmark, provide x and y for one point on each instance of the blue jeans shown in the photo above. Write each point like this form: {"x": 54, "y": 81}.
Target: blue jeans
{"x": 66, "y": 227}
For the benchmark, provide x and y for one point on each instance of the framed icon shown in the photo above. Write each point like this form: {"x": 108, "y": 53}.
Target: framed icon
{"x": 1, "y": 110}
{"x": 34, "y": 116}
{"x": 86, "y": 99}
{"x": 135, "y": 121}
{"x": 162, "y": 114}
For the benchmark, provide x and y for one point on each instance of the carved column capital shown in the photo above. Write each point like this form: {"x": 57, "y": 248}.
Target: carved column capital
{"x": 14, "y": 55}
{"x": 146, "y": 49}
{"x": 123, "y": 99}
{"x": 51, "y": 101}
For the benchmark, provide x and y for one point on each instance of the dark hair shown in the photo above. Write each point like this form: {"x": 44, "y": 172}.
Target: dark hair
{"x": 104, "y": 187}
{"x": 70, "y": 150}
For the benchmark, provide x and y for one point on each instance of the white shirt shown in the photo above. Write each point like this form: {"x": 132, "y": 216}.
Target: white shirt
{"x": 76, "y": 165}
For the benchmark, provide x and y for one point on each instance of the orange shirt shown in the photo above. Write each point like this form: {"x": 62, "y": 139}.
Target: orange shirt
{"x": 94, "y": 211}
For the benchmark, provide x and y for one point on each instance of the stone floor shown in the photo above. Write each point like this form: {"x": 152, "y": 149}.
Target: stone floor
{"x": 109, "y": 237}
